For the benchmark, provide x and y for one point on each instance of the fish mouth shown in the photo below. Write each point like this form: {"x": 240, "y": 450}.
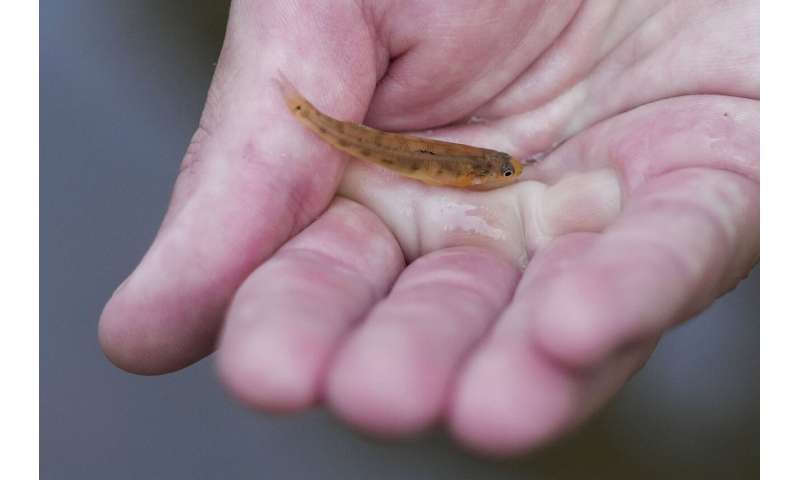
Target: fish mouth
{"x": 517, "y": 166}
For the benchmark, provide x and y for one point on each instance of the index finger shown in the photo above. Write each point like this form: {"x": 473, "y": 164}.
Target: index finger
{"x": 250, "y": 180}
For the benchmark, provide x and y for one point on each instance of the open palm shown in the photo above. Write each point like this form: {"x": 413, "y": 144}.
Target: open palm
{"x": 512, "y": 314}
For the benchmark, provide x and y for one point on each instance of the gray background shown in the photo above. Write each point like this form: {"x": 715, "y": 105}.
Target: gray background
{"x": 122, "y": 86}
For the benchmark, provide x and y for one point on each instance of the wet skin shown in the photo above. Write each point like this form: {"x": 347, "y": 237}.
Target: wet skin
{"x": 510, "y": 315}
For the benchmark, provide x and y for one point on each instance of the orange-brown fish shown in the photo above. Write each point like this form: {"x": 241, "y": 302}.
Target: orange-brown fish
{"x": 431, "y": 161}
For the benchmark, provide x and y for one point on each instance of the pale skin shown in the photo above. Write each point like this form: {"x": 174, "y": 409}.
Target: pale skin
{"x": 508, "y": 315}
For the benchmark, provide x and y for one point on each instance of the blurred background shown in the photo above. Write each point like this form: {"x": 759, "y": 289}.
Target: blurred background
{"x": 122, "y": 85}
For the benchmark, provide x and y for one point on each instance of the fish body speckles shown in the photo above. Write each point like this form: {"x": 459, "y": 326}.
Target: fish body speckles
{"x": 431, "y": 161}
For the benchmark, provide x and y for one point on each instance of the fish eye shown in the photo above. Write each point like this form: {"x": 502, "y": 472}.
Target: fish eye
{"x": 507, "y": 173}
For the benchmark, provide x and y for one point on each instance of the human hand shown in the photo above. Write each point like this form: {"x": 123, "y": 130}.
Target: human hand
{"x": 523, "y": 309}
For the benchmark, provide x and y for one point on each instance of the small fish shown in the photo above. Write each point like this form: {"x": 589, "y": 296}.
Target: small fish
{"x": 431, "y": 161}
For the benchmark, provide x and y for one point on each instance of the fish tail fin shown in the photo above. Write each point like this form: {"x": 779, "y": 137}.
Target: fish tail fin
{"x": 290, "y": 94}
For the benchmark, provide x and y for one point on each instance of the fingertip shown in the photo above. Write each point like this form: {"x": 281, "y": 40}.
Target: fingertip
{"x": 270, "y": 371}
{"x": 119, "y": 346}
{"x": 509, "y": 402}
{"x": 572, "y": 327}
{"x": 605, "y": 301}
{"x": 378, "y": 386}
{"x": 131, "y": 341}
